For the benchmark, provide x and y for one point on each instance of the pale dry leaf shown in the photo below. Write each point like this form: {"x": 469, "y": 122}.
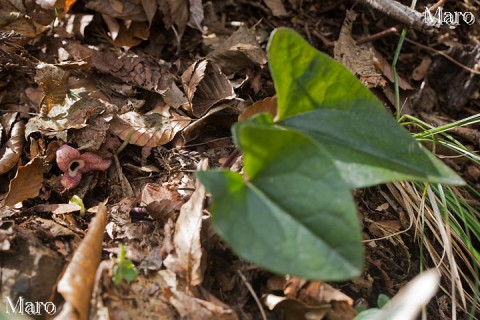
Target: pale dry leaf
{"x": 59, "y": 208}
{"x": 359, "y": 59}
{"x": 277, "y": 8}
{"x": 187, "y": 256}
{"x": 76, "y": 284}
{"x": 205, "y": 85}
{"x": 196, "y": 14}
{"x": 11, "y": 152}
{"x": 241, "y": 50}
{"x": 27, "y": 182}
{"x": 268, "y": 105}
{"x": 74, "y": 114}
{"x": 148, "y": 130}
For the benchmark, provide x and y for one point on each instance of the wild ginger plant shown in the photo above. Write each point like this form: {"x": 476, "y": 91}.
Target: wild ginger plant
{"x": 292, "y": 212}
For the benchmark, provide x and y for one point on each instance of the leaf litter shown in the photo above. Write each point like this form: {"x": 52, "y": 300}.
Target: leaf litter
{"x": 155, "y": 86}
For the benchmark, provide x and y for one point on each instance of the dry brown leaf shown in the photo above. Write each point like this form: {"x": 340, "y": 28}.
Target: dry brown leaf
{"x": 205, "y": 85}
{"x": 268, "y": 105}
{"x": 277, "y": 8}
{"x": 128, "y": 10}
{"x": 386, "y": 68}
{"x": 17, "y": 16}
{"x": 187, "y": 256}
{"x": 420, "y": 71}
{"x": 151, "y": 130}
{"x": 359, "y": 59}
{"x": 94, "y": 135}
{"x": 76, "y": 284}
{"x": 193, "y": 130}
{"x": 175, "y": 12}
{"x": 196, "y": 14}
{"x": 294, "y": 309}
{"x": 27, "y": 182}
{"x": 11, "y": 152}
{"x": 60, "y": 208}
{"x": 197, "y": 309}
{"x": 54, "y": 82}
{"x": 159, "y": 201}
{"x": 241, "y": 50}
{"x": 142, "y": 71}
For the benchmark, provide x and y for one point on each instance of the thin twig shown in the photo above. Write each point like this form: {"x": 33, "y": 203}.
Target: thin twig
{"x": 443, "y": 54}
{"x": 396, "y": 10}
{"x": 254, "y": 295}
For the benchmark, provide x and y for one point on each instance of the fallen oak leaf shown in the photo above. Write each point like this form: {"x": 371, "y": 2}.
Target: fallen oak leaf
{"x": 10, "y": 153}
{"x": 27, "y": 182}
{"x": 76, "y": 284}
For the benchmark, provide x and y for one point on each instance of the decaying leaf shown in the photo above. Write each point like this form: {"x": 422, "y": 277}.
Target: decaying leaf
{"x": 241, "y": 50}
{"x": 128, "y": 10}
{"x": 17, "y": 16}
{"x": 11, "y": 152}
{"x": 193, "y": 130}
{"x": 187, "y": 256}
{"x": 175, "y": 12}
{"x": 268, "y": 105}
{"x": 150, "y": 130}
{"x": 54, "y": 82}
{"x": 277, "y": 8}
{"x": 159, "y": 201}
{"x": 358, "y": 59}
{"x": 141, "y": 71}
{"x": 205, "y": 85}
{"x": 27, "y": 182}
{"x": 196, "y": 14}
{"x": 294, "y": 309}
{"x": 76, "y": 284}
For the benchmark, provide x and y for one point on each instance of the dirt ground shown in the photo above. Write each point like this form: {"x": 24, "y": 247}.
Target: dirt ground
{"x": 127, "y": 84}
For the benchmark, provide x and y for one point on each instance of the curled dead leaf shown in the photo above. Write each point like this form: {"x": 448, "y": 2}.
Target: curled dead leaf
{"x": 205, "y": 85}
{"x": 77, "y": 282}
{"x": 151, "y": 130}
{"x": 241, "y": 50}
{"x": 27, "y": 182}
{"x": 10, "y": 153}
{"x": 268, "y": 105}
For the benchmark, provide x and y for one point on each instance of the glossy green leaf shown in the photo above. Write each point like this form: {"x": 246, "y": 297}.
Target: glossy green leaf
{"x": 293, "y": 212}
{"x": 370, "y": 148}
{"x": 306, "y": 79}
{"x": 295, "y": 215}
{"x": 319, "y": 97}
